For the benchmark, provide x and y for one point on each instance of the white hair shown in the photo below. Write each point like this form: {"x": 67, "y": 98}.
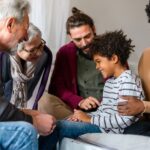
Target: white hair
{"x": 13, "y": 8}
{"x": 33, "y": 31}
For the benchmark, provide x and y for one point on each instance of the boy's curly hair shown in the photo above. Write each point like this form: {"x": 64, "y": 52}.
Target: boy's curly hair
{"x": 147, "y": 9}
{"x": 111, "y": 43}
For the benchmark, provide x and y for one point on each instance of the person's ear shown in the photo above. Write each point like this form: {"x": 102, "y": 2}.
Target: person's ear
{"x": 10, "y": 24}
{"x": 115, "y": 59}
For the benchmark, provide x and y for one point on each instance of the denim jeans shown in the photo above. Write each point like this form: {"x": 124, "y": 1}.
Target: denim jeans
{"x": 18, "y": 135}
{"x": 68, "y": 129}
{"x": 72, "y": 129}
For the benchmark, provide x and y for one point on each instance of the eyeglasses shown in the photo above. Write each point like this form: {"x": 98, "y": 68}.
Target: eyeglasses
{"x": 36, "y": 49}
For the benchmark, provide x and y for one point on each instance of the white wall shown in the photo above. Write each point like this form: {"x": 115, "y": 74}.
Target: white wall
{"x": 50, "y": 16}
{"x": 128, "y": 15}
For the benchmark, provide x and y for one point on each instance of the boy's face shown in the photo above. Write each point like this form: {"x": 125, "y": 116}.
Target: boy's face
{"x": 104, "y": 65}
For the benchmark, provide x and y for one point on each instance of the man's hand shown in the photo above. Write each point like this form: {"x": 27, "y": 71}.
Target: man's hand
{"x": 44, "y": 123}
{"x": 132, "y": 107}
{"x": 89, "y": 103}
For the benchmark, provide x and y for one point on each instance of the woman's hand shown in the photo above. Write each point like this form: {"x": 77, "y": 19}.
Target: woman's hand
{"x": 132, "y": 107}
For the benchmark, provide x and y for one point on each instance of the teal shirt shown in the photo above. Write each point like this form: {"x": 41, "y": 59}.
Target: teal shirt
{"x": 90, "y": 81}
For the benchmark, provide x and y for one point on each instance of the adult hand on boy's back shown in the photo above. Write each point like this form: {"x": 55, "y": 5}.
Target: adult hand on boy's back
{"x": 133, "y": 106}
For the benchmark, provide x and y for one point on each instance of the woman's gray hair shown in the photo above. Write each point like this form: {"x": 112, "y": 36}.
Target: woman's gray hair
{"x": 33, "y": 31}
{"x": 13, "y": 8}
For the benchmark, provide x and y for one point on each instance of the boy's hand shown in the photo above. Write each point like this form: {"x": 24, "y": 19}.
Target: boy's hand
{"x": 81, "y": 116}
{"x": 72, "y": 118}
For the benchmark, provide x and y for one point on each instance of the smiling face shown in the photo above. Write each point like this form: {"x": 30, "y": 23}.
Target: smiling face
{"x": 32, "y": 50}
{"x": 82, "y": 36}
{"x": 104, "y": 65}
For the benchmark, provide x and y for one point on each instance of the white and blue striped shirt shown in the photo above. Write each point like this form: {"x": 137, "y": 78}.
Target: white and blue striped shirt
{"x": 107, "y": 116}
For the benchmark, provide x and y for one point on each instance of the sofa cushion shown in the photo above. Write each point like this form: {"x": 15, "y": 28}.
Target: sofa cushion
{"x": 117, "y": 141}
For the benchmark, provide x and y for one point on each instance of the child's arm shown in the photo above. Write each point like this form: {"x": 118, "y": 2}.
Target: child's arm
{"x": 129, "y": 86}
{"x": 112, "y": 121}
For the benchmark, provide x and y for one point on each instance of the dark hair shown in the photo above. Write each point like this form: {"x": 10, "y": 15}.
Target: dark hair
{"x": 147, "y": 9}
{"x": 77, "y": 19}
{"x": 111, "y": 43}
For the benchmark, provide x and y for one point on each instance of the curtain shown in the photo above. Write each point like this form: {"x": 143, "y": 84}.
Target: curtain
{"x": 50, "y": 16}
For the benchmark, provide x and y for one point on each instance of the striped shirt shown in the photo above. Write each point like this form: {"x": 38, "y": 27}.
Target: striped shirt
{"x": 107, "y": 116}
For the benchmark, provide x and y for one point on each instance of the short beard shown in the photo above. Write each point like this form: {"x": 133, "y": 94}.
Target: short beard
{"x": 85, "y": 47}
{"x": 13, "y": 51}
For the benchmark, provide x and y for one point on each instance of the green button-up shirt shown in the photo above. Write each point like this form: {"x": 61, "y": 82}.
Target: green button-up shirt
{"x": 90, "y": 81}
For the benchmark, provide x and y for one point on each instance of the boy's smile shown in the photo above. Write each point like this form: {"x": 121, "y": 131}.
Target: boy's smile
{"x": 104, "y": 65}
{"x": 108, "y": 66}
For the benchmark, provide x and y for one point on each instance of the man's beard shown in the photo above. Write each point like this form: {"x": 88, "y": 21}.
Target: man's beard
{"x": 85, "y": 47}
{"x": 13, "y": 50}
{"x": 84, "y": 52}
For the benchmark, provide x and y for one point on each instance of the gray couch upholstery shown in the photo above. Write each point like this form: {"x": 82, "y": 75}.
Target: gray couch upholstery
{"x": 102, "y": 141}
